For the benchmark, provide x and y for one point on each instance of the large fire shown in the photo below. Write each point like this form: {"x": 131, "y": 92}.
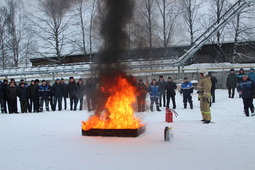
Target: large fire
{"x": 117, "y": 112}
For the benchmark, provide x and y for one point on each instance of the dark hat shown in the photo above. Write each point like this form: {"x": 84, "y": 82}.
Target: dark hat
{"x": 12, "y": 79}
{"x": 70, "y": 77}
{"x": 232, "y": 69}
{"x": 37, "y": 80}
{"x": 43, "y": 80}
{"x": 62, "y": 79}
{"x": 154, "y": 80}
{"x": 57, "y": 79}
{"x": 22, "y": 80}
{"x": 5, "y": 80}
{"x": 169, "y": 77}
{"x": 32, "y": 81}
{"x": 185, "y": 78}
{"x": 160, "y": 76}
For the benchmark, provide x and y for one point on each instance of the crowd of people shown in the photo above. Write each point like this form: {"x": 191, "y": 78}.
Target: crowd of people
{"x": 37, "y": 96}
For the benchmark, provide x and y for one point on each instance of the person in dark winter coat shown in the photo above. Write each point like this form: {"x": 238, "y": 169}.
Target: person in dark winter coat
{"x": 4, "y": 96}
{"x": 240, "y": 79}
{"x": 231, "y": 83}
{"x": 12, "y": 93}
{"x": 44, "y": 96}
{"x": 33, "y": 97}
{"x": 170, "y": 92}
{"x": 23, "y": 97}
{"x": 57, "y": 91}
{"x": 65, "y": 92}
{"x": 246, "y": 89}
{"x": 80, "y": 92}
{"x": 162, "y": 85}
{"x": 90, "y": 90}
{"x": 72, "y": 90}
{"x": 214, "y": 81}
{"x": 187, "y": 90}
{"x": 153, "y": 89}
{"x": 142, "y": 91}
{"x": 51, "y": 97}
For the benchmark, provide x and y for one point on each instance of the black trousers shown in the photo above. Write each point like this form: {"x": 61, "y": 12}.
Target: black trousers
{"x": 73, "y": 103}
{"x": 34, "y": 104}
{"x": 187, "y": 98}
{"x": 90, "y": 103}
{"x": 3, "y": 105}
{"x": 213, "y": 95}
{"x": 57, "y": 100}
{"x": 24, "y": 106}
{"x": 12, "y": 106}
{"x": 248, "y": 103}
{"x": 81, "y": 102}
{"x": 231, "y": 92}
{"x": 168, "y": 97}
{"x": 162, "y": 97}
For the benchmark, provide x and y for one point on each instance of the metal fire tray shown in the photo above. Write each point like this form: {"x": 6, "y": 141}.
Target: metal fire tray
{"x": 114, "y": 132}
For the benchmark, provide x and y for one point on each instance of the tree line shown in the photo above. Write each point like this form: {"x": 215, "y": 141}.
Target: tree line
{"x": 58, "y": 28}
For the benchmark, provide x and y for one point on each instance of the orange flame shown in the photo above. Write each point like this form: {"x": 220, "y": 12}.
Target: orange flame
{"x": 118, "y": 111}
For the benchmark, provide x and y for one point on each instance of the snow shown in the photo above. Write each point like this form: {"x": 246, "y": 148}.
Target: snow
{"x": 53, "y": 140}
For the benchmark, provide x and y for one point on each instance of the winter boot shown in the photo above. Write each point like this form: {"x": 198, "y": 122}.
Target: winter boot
{"x": 151, "y": 108}
{"x": 158, "y": 109}
{"x": 185, "y": 105}
{"x": 207, "y": 122}
{"x": 191, "y": 105}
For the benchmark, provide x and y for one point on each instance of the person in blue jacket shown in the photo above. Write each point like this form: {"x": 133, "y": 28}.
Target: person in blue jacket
{"x": 44, "y": 96}
{"x": 251, "y": 74}
{"x": 153, "y": 89}
{"x": 246, "y": 89}
{"x": 187, "y": 90}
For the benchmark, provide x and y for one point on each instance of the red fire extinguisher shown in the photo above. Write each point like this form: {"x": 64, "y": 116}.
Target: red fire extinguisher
{"x": 169, "y": 115}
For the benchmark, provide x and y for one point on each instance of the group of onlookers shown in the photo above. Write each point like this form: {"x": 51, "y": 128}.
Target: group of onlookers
{"x": 39, "y": 95}
{"x": 245, "y": 84}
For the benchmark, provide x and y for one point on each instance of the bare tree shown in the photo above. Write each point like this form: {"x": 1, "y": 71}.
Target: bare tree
{"x": 243, "y": 31}
{"x": 190, "y": 9}
{"x": 3, "y": 53}
{"x": 145, "y": 18}
{"x": 218, "y": 9}
{"x": 17, "y": 30}
{"x": 52, "y": 26}
{"x": 166, "y": 26}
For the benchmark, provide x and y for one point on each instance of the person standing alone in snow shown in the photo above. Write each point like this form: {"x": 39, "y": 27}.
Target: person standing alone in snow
{"x": 231, "y": 83}
{"x": 153, "y": 89}
{"x": 246, "y": 90}
{"x": 204, "y": 91}
{"x": 170, "y": 92}
{"x": 187, "y": 90}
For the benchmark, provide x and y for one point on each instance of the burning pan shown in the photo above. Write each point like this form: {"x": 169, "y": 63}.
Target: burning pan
{"x": 114, "y": 132}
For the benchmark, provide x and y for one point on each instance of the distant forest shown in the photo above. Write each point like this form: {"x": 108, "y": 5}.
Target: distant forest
{"x": 54, "y": 29}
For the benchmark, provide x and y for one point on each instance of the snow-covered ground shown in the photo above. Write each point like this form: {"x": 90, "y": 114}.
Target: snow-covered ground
{"x": 53, "y": 141}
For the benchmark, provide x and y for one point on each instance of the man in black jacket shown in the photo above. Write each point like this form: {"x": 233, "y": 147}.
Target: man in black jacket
{"x": 170, "y": 92}
{"x": 23, "y": 97}
{"x": 33, "y": 96}
{"x": 57, "y": 91}
{"x": 162, "y": 85}
{"x": 4, "y": 96}
{"x": 12, "y": 93}
{"x": 231, "y": 83}
{"x": 72, "y": 90}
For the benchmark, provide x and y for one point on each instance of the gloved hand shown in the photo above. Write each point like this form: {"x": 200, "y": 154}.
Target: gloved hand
{"x": 199, "y": 97}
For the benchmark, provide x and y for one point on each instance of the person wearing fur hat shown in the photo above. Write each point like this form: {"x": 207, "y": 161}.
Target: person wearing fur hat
{"x": 246, "y": 89}
{"x": 231, "y": 83}
{"x": 204, "y": 95}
